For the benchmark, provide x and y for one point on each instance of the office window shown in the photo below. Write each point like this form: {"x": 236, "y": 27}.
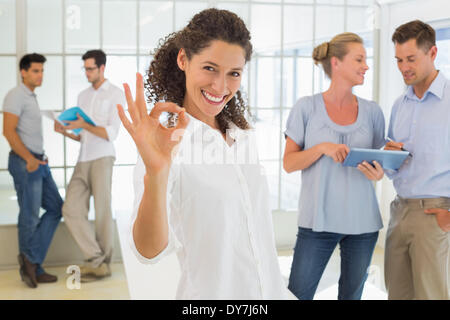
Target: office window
{"x": 329, "y": 22}
{"x": 44, "y": 26}
{"x": 266, "y": 29}
{"x": 119, "y": 26}
{"x": 82, "y": 25}
{"x": 8, "y": 79}
{"x": 281, "y": 71}
{"x": 74, "y": 75}
{"x": 53, "y": 144}
{"x": 443, "y": 56}
{"x": 120, "y": 69}
{"x": 155, "y": 22}
{"x": 50, "y": 94}
{"x": 7, "y": 26}
{"x": 265, "y": 82}
{"x": 185, "y": 10}
{"x": 297, "y": 79}
{"x": 8, "y": 65}
{"x": 298, "y": 30}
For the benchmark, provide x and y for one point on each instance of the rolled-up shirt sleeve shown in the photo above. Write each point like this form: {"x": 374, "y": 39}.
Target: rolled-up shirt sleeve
{"x": 392, "y": 174}
{"x": 296, "y": 123}
{"x": 378, "y": 127}
{"x": 173, "y": 243}
{"x": 113, "y": 126}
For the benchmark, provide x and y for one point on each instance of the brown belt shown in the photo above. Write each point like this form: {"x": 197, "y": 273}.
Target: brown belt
{"x": 426, "y": 202}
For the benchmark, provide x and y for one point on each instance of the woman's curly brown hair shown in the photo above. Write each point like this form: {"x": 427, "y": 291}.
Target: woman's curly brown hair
{"x": 165, "y": 81}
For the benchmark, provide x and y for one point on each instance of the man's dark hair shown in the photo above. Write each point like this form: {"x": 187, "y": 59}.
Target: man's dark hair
{"x": 28, "y": 59}
{"x": 423, "y": 33}
{"x": 98, "y": 55}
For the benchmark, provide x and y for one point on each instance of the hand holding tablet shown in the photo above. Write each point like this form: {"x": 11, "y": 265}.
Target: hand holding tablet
{"x": 388, "y": 159}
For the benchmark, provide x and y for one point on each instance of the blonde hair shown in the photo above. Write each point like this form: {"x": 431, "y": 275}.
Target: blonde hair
{"x": 336, "y": 47}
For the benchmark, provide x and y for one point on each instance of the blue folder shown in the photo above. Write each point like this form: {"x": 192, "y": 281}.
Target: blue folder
{"x": 71, "y": 115}
{"x": 388, "y": 159}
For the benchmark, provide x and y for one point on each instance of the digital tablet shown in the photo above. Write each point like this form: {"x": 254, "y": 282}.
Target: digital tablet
{"x": 388, "y": 159}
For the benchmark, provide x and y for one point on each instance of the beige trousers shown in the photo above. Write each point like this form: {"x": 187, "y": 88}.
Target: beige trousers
{"x": 417, "y": 251}
{"x": 91, "y": 178}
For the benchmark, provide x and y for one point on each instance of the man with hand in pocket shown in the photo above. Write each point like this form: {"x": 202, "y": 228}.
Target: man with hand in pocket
{"x": 92, "y": 175}
{"x": 417, "y": 248}
{"x": 28, "y": 165}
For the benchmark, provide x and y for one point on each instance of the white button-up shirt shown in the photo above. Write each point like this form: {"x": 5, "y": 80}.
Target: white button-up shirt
{"x": 220, "y": 222}
{"x": 101, "y": 106}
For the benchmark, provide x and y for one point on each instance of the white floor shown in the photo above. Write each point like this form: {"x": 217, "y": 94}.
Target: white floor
{"x": 120, "y": 286}
{"x": 12, "y": 288}
{"x": 116, "y": 287}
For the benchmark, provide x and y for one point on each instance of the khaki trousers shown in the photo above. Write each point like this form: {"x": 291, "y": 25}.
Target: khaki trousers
{"x": 91, "y": 178}
{"x": 417, "y": 251}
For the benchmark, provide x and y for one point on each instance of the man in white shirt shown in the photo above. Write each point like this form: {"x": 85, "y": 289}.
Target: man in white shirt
{"x": 93, "y": 172}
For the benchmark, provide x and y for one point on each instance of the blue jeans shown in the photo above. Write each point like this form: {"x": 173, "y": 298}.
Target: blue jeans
{"x": 35, "y": 190}
{"x": 312, "y": 253}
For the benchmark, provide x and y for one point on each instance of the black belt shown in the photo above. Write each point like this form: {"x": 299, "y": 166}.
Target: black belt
{"x": 36, "y": 155}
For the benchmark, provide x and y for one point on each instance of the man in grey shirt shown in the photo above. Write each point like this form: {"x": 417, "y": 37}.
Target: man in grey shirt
{"x": 27, "y": 164}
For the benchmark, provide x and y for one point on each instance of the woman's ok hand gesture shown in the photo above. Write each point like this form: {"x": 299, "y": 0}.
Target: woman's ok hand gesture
{"x": 154, "y": 142}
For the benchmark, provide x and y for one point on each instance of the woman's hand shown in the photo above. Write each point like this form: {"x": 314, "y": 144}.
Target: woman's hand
{"x": 370, "y": 172}
{"x": 154, "y": 142}
{"x": 338, "y": 152}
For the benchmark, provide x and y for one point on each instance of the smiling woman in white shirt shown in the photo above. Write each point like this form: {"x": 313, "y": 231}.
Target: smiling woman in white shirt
{"x": 200, "y": 191}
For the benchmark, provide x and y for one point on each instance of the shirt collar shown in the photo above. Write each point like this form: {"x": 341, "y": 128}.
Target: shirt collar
{"x": 105, "y": 86}
{"x": 438, "y": 85}
{"x": 436, "y": 88}
{"x": 27, "y": 90}
{"x": 194, "y": 124}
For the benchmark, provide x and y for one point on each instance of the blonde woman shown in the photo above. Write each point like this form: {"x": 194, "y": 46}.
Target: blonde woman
{"x": 337, "y": 204}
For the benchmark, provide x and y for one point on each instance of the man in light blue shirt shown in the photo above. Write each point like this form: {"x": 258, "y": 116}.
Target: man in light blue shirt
{"x": 418, "y": 238}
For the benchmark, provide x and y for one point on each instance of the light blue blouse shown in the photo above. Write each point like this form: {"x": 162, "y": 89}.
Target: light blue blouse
{"x": 335, "y": 198}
